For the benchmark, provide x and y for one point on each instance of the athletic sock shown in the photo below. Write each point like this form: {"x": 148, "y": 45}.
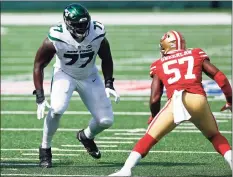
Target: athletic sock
{"x": 145, "y": 144}
{"x": 139, "y": 151}
{"x": 228, "y": 157}
{"x": 220, "y": 144}
{"x": 132, "y": 160}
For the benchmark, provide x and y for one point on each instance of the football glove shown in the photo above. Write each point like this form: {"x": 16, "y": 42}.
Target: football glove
{"x": 41, "y": 103}
{"x": 150, "y": 120}
{"x": 227, "y": 106}
{"x": 109, "y": 89}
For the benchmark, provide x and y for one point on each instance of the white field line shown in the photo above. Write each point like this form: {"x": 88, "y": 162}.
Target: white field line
{"x": 145, "y": 98}
{"x": 41, "y": 175}
{"x": 13, "y": 169}
{"x": 221, "y": 121}
{"x": 222, "y": 115}
{"x": 181, "y": 127}
{"x": 73, "y": 113}
{"x": 174, "y": 131}
{"x": 82, "y": 145}
{"x": 114, "y": 142}
{"x": 18, "y": 164}
{"x": 104, "y": 150}
{"x": 111, "y": 150}
{"x": 23, "y": 159}
{"x": 72, "y": 129}
{"x": 28, "y": 154}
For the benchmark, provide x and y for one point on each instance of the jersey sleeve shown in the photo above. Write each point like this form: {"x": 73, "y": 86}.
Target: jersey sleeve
{"x": 153, "y": 69}
{"x": 56, "y": 37}
{"x": 99, "y": 30}
{"x": 199, "y": 52}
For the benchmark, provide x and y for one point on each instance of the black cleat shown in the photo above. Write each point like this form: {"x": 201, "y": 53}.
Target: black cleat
{"x": 89, "y": 144}
{"x": 45, "y": 157}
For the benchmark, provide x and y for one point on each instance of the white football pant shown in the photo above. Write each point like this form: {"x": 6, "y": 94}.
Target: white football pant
{"x": 92, "y": 92}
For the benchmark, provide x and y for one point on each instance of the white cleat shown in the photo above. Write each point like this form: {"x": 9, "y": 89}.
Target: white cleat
{"x": 121, "y": 173}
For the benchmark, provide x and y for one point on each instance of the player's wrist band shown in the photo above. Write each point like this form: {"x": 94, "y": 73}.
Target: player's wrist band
{"x": 109, "y": 83}
{"x": 109, "y": 80}
{"x": 39, "y": 96}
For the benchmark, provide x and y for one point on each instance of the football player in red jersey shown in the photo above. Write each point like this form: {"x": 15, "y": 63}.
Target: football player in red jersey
{"x": 180, "y": 70}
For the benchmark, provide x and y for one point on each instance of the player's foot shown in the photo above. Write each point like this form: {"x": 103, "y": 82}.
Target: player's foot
{"x": 45, "y": 157}
{"x": 89, "y": 144}
{"x": 122, "y": 172}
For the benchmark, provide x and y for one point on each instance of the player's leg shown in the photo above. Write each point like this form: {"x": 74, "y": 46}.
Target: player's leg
{"x": 162, "y": 124}
{"x": 92, "y": 93}
{"x": 204, "y": 120}
{"x": 61, "y": 92}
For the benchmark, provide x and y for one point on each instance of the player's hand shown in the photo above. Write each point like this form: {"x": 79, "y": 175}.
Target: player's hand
{"x": 150, "y": 120}
{"x": 109, "y": 89}
{"x": 41, "y": 109}
{"x": 227, "y": 106}
{"x": 41, "y": 103}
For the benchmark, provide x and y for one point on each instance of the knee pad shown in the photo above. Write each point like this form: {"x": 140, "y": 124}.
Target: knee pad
{"x": 58, "y": 109}
{"x": 106, "y": 122}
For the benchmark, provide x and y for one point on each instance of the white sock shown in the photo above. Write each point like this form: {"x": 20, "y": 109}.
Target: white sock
{"x": 132, "y": 160}
{"x": 88, "y": 133}
{"x": 227, "y": 157}
{"x": 95, "y": 128}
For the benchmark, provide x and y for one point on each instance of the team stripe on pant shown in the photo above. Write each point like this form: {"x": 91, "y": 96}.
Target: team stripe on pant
{"x": 165, "y": 106}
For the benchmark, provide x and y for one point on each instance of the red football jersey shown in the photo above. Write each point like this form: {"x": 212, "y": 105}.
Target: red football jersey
{"x": 181, "y": 70}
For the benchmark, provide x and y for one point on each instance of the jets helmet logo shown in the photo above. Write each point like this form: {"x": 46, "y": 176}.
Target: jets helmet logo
{"x": 67, "y": 13}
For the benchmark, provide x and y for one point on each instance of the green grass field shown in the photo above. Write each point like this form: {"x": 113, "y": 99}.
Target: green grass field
{"x": 184, "y": 152}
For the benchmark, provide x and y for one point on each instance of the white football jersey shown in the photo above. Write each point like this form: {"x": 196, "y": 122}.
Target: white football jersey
{"x": 76, "y": 59}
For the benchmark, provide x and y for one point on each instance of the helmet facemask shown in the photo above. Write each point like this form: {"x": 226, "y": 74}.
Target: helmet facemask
{"x": 78, "y": 29}
{"x": 171, "y": 41}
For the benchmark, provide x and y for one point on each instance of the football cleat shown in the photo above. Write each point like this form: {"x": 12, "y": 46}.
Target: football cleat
{"x": 89, "y": 144}
{"x": 45, "y": 157}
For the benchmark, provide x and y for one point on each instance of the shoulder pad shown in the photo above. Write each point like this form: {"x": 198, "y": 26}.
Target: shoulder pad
{"x": 97, "y": 30}
{"x": 200, "y": 52}
{"x": 57, "y": 33}
{"x": 98, "y": 27}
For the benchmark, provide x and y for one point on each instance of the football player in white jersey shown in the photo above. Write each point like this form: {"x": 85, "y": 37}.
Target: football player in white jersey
{"x": 75, "y": 43}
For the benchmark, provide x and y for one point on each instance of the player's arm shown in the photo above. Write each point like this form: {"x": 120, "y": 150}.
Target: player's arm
{"x": 214, "y": 73}
{"x": 107, "y": 63}
{"x": 43, "y": 57}
{"x": 155, "y": 97}
{"x": 107, "y": 67}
